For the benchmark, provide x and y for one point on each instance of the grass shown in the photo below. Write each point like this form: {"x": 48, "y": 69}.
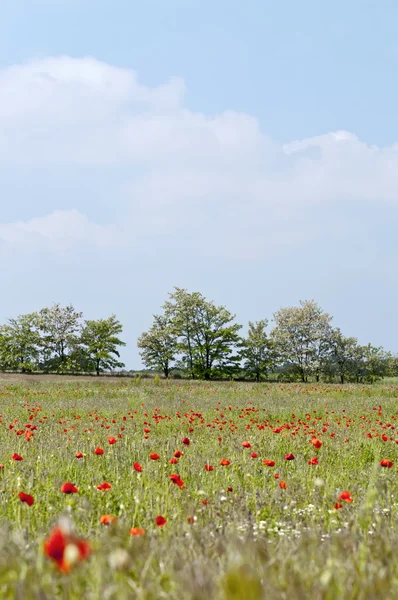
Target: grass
{"x": 250, "y": 538}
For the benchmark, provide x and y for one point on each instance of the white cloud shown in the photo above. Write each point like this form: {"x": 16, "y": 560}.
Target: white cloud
{"x": 60, "y": 228}
{"x": 215, "y": 175}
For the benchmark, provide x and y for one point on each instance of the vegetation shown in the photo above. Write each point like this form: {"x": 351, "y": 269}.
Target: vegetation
{"x": 55, "y": 340}
{"x": 197, "y": 490}
{"x": 194, "y": 338}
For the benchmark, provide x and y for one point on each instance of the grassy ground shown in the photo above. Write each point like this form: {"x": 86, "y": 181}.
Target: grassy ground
{"x": 232, "y": 532}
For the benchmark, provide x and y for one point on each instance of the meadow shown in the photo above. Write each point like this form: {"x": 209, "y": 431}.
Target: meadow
{"x": 123, "y": 489}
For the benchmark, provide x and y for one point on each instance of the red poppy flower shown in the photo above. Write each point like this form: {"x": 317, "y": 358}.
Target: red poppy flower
{"x": 186, "y": 441}
{"x": 254, "y": 455}
{"x": 276, "y": 475}
{"x": 99, "y": 451}
{"x": 269, "y": 463}
{"x": 177, "y": 480}
{"x": 1, "y": 466}
{"x": 137, "y": 467}
{"x": 246, "y": 445}
{"x": 346, "y": 496}
{"x": 316, "y": 443}
{"x": 112, "y": 440}
{"x": 137, "y": 531}
{"x": 209, "y": 467}
{"x": 289, "y": 457}
{"x": 104, "y": 486}
{"x": 160, "y": 521}
{"x": 282, "y": 485}
{"x": 313, "y": 461}
{"x": 230, "y": 489}
{"x": 337, "y": 506}
{"x": 69, "y": 488}
{"x": 27, "y": 498}
{"x": 386, "y": 463}
{"x": 178, "y": 454}
{"x": 108, "y": 519}
{"x": 79, "y": 454}
{"x": 65, "y": 549}
{"x": 174, "y": 461}
{"x": 205, "y": 502}
{"x": 17, "y": 457}
{"x": 154, "y": 456}
{"x": 191, "y": 520}
{"x": 225, "y": 462}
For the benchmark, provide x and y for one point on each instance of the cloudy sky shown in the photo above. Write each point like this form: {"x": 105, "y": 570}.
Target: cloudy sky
{"x": 247, "y": 150}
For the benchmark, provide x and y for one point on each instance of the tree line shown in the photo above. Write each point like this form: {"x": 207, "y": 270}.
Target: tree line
{"x": 194, "y": 337}
{"x": 57, "y": 340}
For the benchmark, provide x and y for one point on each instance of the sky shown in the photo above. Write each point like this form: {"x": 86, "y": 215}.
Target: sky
{"x": 246, "y": 150}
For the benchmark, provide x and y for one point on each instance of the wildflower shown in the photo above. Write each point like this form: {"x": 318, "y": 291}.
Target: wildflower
{"x": 289, "y": 456}
{"x": 186, "y": 441}
{"x": 246, "y": 445}
{"x": 178, "y": 454}
{"x": 137, "y": 531}
{"x": 108, "y": 519}
{"x": 254, "y": 455}
{"x": 66, "y": 549}
{"x": 160, "y": 521}
{"x": 209, "y": 467}
{"x": 386, "y": 463}
{"x": 346, "y": 496}
{"x": 27, "y": 498}
{"x": 174, "y": 461}
{"x": 112, "y": 440}
{"x": 283, "y": 485}
{"x": 313, "y": 461}
{"x": 205, "y": 502}
{"x": 16, "y": 457}
{"x": 316, "y": 443}
{"x": 137, "y": 467}
{"x": 269, "y": 463}
{"x": 79, "y": 454}
{"x": 154, "y": 456}
{"x": 337, "y": 506}
{"x": 104, "y": 486}
{"x": 69, "y": 488}
{"x": 177, "y": 480}
{"x": 99, "y": 451}
{"x": 225, "y": 462}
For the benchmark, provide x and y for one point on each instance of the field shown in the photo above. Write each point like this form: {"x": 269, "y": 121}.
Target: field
{"x": 235, "y": 491}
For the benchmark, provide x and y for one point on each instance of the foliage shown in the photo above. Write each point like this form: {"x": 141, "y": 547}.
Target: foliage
{"x": 19, "y": 343}
{"x": 59, "y": 328}
{"x": 302, "y": 338}
{"x": 257, "y": 350}
{"x": 206, "y": 335}
{"x": 158, "y": 346}
{"x": 98, "y": 345}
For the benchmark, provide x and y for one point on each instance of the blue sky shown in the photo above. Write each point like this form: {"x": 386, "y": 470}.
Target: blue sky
{"x": 245, "y": 150}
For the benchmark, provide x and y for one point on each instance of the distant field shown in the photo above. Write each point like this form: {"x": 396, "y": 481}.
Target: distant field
{"x": 244, "y": 529}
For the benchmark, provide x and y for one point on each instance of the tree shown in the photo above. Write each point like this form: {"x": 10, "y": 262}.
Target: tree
{"x": 343, "y": 355}
{"x": 98, "y": 344}
{"x": 158, "y": 346}
{"x": 19, "y": 343}
{"x": 60, "y": 328}
{"x": 206, "y": 334}
{"x": 376, "y": 361}
{"x": 302, "y": 338}
{"x": 256, "y": 352}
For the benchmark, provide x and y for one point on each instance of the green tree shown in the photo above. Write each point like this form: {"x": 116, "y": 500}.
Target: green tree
{"x": 19, "y": 343}
{"x": 302, "y": 338}
{"x": 343, "y": 356}
{"x": 376, "y": 362}
{"x": 60, "y": 331}
{"x": 257, "y": 350}
{"x": 99, "y": 344}
{"x": 207, "y": 336}
{"x": 158, "y": 346}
